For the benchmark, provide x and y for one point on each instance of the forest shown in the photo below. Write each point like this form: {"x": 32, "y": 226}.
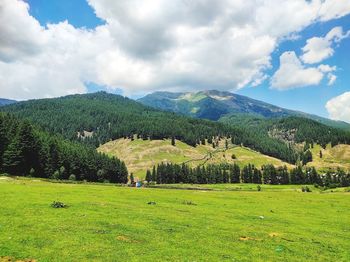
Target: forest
{"x": 167, "y": 173}
{"x": 96, "y": 118}
{"x": 27, "y": 151}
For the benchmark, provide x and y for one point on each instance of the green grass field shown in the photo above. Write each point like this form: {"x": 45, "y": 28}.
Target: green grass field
{"x": 140, "y": 155}
{"x": 111, "y": 223}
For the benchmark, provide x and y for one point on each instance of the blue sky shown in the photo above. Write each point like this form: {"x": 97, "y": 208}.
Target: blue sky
{"x": 137, "y": 47}
{"x": 311, "y": 99}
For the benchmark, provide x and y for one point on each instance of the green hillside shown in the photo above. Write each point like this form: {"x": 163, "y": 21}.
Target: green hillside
{"x": 97, "y": 118}
{"x": 140, "y": 155}
{"x": 332, "y": 157}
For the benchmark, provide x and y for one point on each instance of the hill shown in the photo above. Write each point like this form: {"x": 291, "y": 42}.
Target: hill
{"x": 100, "y": 117}
{"x": 4, "y": 102}
{"x": 290, "y": 129}
{"x": 215, "y": 104}
{"x": 140, "y": 155}
{"x": 330, "y": 157}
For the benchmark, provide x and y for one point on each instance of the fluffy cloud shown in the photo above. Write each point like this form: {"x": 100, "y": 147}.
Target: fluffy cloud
{"x": 151, "y": 44}
{"x": 292, "y": 74}
{"x": 339, "y": 107}
{"x": 319, "y": 48}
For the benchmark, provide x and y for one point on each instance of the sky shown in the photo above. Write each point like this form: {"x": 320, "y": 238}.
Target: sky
{"x": 294, "y": 54}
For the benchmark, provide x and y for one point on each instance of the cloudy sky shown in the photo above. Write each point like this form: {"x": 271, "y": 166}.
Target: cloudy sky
{"x": 294, "y": 54}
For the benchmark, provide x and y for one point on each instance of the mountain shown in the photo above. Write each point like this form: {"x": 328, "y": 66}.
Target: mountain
{"x": 100, "y": 117}
{"x": 4, "y": 102}
{"x": 97, "y": 118}
{"x": 215, "y": 104}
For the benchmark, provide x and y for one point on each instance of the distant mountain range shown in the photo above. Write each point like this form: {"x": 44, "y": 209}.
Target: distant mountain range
{"x": 213, "y": 105}
{"x": 4, "y": 102}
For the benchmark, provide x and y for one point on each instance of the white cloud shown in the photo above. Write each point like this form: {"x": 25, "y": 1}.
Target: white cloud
{"x": 151, "y": 44}
{"x": 331, "y": 79}
{"x": 292, "y": 74}
{"x": 339, "y": 107}
{"x": 319, "y": 48}
{"x": 330, "y": 9}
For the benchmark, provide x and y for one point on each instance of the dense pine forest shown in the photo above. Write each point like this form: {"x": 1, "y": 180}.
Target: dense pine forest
{"x": 290, "y": 129}
{"x": 166, "y": 173}
{"x": 27, "y": 151}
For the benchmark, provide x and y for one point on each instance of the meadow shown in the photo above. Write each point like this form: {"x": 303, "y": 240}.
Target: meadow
{"x": 140, "y": 155}
{"x": 332, "y": 157}
{"x": 105, "y": 222}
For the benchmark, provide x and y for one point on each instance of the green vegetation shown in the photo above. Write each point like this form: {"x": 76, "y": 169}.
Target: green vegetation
{"x": 167, "y": 173}
{"x": 140, "y": 155}
{"x": 26, "y": 151}
{"x": 108, "y": 223}
{"x": 101, "y": 117}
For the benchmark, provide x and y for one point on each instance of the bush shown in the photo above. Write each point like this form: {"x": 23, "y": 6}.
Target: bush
{"x": 233, "y": 156}
{"x": 259, "y": 188}
{"x": 56, "y": 175}
{"x": 72, "y": 178}
{"x": 190, "y": 203}
{"x": 58, "y": 204}
{"x": 305, "y": 189}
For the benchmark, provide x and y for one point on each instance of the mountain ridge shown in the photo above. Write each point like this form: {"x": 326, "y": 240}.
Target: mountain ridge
{"x": 4, "y": 101}
{"x": 214, "y": 104}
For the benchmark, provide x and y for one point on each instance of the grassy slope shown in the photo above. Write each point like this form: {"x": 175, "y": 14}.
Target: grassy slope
{"x": 338, "y": 156}
{"x": 108, "y": 223}
{"x": 140, "y": 155}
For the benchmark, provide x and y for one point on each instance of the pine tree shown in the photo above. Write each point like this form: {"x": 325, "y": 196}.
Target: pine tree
{"x": 132, "y": 180}
{"x": 13, "y": 159}
{"x": 154, "y": 174}
{"x": 235, "y": 174}
{"x": 148, "y": 176}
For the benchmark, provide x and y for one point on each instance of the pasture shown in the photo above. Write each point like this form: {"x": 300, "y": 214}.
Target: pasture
{"x": 114, "y": 223}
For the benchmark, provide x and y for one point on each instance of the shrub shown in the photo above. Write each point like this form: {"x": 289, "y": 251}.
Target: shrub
{"x": 56, "y": 175}
{"x": 190, "y": 203}
{"x": 233, "y": 156}
{"x": 305, "y": 189}
{"x": 56, "y": 204}
{"x": 72, "y": 178}
{"x": 259, "y": 188}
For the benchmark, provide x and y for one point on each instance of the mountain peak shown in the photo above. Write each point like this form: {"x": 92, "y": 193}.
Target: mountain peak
{"x": 214, "y": 104}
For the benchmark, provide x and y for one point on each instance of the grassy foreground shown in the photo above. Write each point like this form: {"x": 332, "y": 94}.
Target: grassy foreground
{"x": 109, "y": 223}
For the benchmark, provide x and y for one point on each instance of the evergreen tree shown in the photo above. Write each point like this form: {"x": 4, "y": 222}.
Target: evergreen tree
{"x": 154, "y": 174}
{"x": 235, "y": 174}
{"x": 148, "y": 176}
{"x": 307, "y": 157}
{"x": 132, "y": 180}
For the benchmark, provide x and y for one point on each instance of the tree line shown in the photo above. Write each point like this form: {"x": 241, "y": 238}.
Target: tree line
{"x": 167, "y": 173}
{"x": 27, "y": 151}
